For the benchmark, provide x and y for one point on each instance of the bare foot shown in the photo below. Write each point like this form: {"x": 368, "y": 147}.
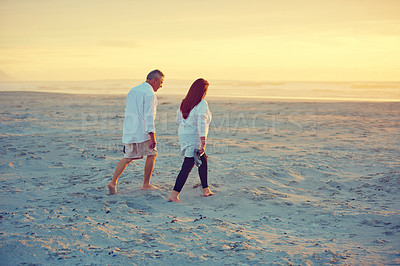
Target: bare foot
{"x": 112, "y": 188}
{"x": 148, "y": 187}
{"x": 207, "y": 192}
{"x": 175, "y": 197}
{"x": 175, "y": 200}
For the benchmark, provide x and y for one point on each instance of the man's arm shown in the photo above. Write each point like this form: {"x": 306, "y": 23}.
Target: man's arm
{"x": 153, "y": 141}
{"x": 150, "y": 113}
{"x": 149, "y": 117}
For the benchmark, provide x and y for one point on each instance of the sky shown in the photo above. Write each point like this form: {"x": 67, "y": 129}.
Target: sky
{"x": 285, "y": 40}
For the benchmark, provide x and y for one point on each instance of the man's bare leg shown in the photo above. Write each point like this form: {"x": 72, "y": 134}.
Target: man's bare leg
{"x": 148, "y": 170}
{"x": 123, "y": 163}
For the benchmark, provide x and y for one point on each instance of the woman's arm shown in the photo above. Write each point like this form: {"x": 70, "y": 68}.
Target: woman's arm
{"x": 203, "y": 121}
{"x": 203, "y": 144}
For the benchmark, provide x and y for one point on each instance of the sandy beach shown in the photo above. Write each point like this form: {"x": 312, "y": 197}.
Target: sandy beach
{"x": 295, "y": 183}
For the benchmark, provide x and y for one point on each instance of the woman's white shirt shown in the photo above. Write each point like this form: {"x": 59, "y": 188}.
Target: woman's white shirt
{"x": 196, "y": 125}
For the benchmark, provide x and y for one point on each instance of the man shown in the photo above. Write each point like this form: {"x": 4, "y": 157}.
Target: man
{"x": 139, "y": 131}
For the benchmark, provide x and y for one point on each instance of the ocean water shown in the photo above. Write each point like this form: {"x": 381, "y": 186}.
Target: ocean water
{"x": 330, "y": 91}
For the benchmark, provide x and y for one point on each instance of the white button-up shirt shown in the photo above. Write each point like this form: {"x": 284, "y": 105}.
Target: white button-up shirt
{"x": 193, "y": 127}
{"x": 140, "y": 113}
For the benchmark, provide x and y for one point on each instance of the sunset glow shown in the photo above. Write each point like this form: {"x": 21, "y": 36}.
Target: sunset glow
{"x": 310, "y": 40}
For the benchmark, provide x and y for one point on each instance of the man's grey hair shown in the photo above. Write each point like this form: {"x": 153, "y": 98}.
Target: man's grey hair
{"x": 155, "y": 74}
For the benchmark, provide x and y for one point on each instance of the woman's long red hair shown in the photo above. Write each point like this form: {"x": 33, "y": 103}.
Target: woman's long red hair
{"x": 194, "y": 96}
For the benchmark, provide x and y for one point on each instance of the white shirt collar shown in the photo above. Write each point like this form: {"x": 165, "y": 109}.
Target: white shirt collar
{"x": 148, "y": 86}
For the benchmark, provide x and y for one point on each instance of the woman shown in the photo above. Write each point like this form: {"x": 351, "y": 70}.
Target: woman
{"x": 193, "y": 118}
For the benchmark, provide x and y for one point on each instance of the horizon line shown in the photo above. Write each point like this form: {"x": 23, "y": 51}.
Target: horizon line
{"x": 244, "y": 97}
{"x": 225, "y": 80}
